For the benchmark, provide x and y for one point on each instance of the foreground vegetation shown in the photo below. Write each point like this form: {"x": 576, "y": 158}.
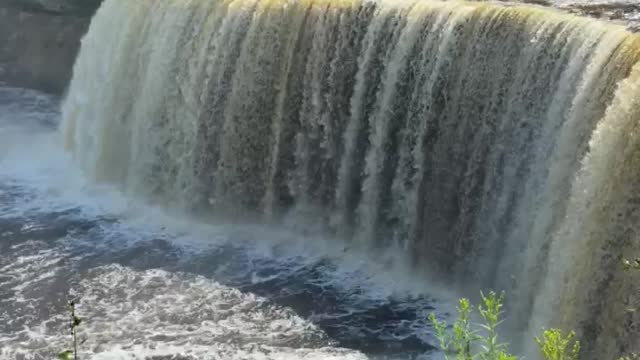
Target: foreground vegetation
{"x": 467, "y": 341}
{"x": 464, "y": 340}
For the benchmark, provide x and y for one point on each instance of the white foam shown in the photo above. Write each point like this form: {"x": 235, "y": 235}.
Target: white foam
{"x": 136, "y": 314}
{"x": 131, "y": 314}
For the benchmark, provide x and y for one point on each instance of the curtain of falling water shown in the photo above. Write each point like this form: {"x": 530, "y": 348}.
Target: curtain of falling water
{"x": 495, "y": 145}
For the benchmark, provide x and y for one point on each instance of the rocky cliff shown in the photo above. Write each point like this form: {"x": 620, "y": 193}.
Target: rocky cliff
{"x": 39, "y": 41}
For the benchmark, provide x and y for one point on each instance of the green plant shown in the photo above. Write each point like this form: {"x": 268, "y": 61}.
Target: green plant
{"x": 555, "y": 345}
{"x": 490, "y": 311}
{"x": 467, "y": 341}
{"x": 462, "y": 338}
{"x": 465, "y": 337}
{"x": 74, "y": 323}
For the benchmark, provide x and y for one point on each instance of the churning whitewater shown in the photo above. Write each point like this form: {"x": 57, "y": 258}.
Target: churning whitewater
{"x": 154, "y": 285}
{"x": 495, "y": 146}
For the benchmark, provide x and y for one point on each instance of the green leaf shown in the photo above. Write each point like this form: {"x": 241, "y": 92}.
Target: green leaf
{"x": 66, "y": 355}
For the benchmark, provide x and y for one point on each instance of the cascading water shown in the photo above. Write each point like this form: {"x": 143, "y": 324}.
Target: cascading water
{"x": 496, "y": 145}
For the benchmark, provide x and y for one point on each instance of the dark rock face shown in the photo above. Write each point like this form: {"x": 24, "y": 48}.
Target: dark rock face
{"x": 38, "y": 48}
{"x": 60, "y": 7}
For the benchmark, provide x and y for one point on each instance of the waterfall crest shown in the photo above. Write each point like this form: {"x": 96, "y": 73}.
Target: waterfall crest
{"x": 496, "y": 145}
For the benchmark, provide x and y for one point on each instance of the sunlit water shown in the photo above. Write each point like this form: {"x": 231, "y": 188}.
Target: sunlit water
{"x": 154, "y": 286}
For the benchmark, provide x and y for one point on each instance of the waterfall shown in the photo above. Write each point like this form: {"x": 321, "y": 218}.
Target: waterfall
{"x": 497, "y": 146}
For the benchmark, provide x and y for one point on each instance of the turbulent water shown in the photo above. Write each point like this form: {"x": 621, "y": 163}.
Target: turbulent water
{"x": 485, "y": 146}
{"x": 153, "y": 285}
